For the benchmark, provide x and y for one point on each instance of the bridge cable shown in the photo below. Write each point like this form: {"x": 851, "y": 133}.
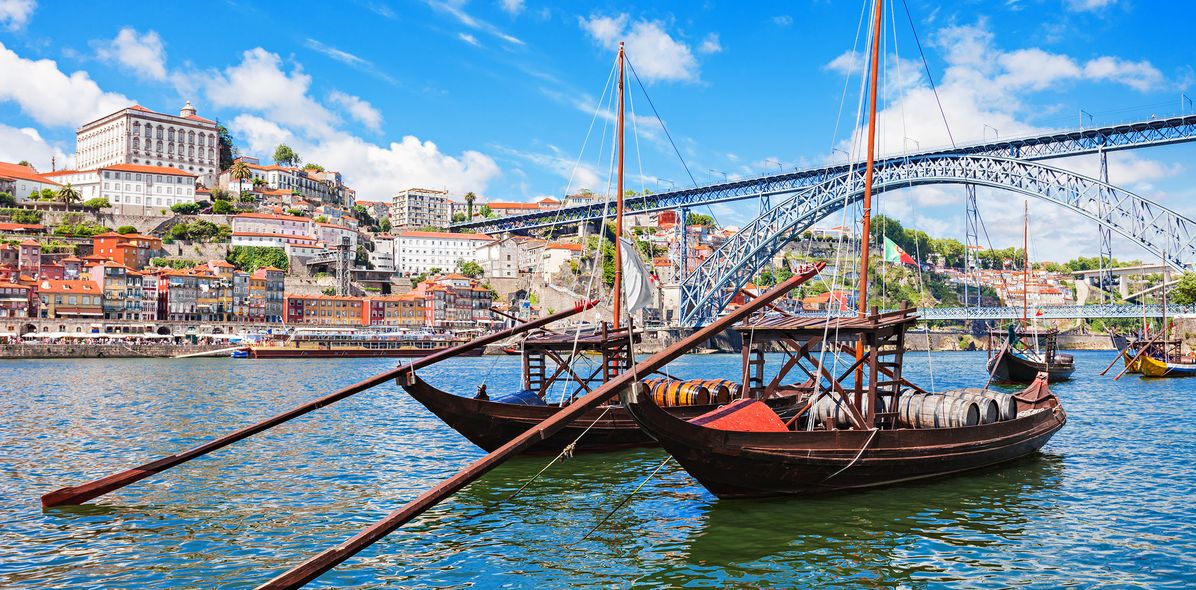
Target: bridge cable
{"x": 929, "y": 76}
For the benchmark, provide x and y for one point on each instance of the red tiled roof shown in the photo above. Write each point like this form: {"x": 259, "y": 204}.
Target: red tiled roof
{"x": 442, "y": 234}
{"x": 271, "y": 216}
{"x": 564, "y": 246}
{"x": 266, "y": 235}
{"x": 71, "y": 286}
{"x": 147, "y": 169}
{"x": 198, "y": 118}
{"x": 17, "y": 171}
{"x": 21, "y": 226}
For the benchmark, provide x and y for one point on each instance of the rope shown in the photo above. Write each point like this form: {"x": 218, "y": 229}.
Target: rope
{"x": 624, "y": 501}
{"x": 857, "y": 455}
{"x": 929, "y": 76}
{"x": 565, "y": 452}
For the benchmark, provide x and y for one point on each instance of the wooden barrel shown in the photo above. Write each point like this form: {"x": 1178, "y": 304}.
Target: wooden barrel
{"x": 830, "y": 408}
{"x": 1006, "y": 405}
{"x": 679, "y": 393}
{"x": 935, "y": 410}
{"x": 721, "y": 390}
{"x": 989, "y": 411}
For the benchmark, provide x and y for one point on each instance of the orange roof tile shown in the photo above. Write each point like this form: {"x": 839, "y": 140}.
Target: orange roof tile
{"x": 441, "y": 234}
{"x": 271, "y": 216}
{"x": 8, "y": 170}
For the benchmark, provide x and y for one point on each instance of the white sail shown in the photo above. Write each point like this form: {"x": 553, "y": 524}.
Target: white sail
{"x": 637, "y": 287}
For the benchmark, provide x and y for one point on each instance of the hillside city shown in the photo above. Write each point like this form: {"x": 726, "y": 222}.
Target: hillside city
{"x": 163, "y": 220}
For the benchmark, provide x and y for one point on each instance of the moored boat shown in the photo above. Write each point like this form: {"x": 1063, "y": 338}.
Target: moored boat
{"x": 1023, "y": 354}
{"x": 348, "y": 343}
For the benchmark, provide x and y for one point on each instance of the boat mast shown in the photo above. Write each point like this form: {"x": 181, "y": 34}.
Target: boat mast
{"x": 866, "y": 221}
{"x": 1026, "y": 263}
{"x": 618, "y": 286}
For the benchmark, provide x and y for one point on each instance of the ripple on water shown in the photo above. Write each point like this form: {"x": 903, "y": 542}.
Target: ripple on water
{"x": 1107, "y": 503}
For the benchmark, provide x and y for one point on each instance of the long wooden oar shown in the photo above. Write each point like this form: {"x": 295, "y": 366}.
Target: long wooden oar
{"x": 1120, "y": 355}
{"x": 330, "y": 558}
{"x": 1139, "y": 355}
{"x": 82, "y": 493}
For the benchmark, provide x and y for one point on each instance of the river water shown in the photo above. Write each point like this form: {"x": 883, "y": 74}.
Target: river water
{"x": 1108, "y": 502}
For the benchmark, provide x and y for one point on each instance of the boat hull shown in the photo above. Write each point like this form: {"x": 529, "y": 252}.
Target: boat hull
{"x": 734, "y": 464}
{"x": 1152, "y": 367}
{"x": 490, "y": 425}
{"x": 1131, "y": 365}
{"x": 1011, "y": 368}
{"x": 298, "y": 353}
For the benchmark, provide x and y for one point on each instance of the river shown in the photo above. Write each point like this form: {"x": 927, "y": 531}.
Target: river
{"x": 1108, "y": 501}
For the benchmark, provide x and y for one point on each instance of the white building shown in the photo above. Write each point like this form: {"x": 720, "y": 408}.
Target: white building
{"x": 419, "y": 251}
{"x": 419, "y": 207}
{"x": 321, "y": 187}
{"x": 132, "y": 189}
{"x": 23, "y": 180}
{"x": 266, "y": 223}
{"x": 499, "y": 258}
{"x": 556, "y": 256}
{"x": 383, "y": 256}
{"x": 137, "y": 135}
{"x": 331, "y": 234}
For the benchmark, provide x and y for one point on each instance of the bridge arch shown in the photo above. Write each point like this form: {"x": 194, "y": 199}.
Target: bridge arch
{"x": 1162, "y": 232}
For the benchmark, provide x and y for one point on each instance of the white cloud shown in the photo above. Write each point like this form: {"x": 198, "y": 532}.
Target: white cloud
{"x": 353, "y": 61}
{"x": 51, "y": 97}
{"x": 846, "y": 63}
{"x": 1089, "y": 5}
{"x": 259, "y": 135}
{"x": 1035, "y": 69}
{"x": 143, "y": 53}
{"x": 710, "y": 44}
{"x": 512, "y": 7}
{"x": 15, "y": 13}
{"x": 782, "y": 20}
{"x": 656, "y": 55}
{"x": 453, "y": 8}
{"x": 260, "y": 85}
{"x": 1139, "y": 75}
{"x": 466, "y": 37}
{"x": 362, "y": 111}
{"x": 27, "y": 144}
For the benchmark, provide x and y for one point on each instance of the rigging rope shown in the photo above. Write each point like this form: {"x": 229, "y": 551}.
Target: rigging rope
{"x": 565, "y": 452}
{"x": 624, "y": 501}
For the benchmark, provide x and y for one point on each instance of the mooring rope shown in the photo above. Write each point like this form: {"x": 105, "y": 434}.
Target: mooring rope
{"x": 565, "y": 452}
{"x": 624, "y": 501}
{"x": 857, "y": 455}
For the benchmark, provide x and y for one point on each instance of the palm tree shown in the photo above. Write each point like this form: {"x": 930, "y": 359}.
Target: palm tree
{"x": 67, "y": 194}
{"x": 239, "y": 171}
{"x": 469, "y": 197}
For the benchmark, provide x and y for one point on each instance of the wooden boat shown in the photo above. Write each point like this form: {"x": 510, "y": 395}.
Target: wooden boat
{"x": 874, "y": 430}
{"x": 1150, "y": 366}
{"x": 1021, "y": 362}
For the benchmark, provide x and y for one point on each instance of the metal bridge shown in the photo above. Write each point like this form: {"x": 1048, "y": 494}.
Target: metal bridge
{"x": 1050, "y": 312}
{"x": 1134, "y": 135}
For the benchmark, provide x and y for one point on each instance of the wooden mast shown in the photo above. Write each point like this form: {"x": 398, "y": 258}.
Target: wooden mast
{"x": 618, "y": 286}
{"x": 1026, "y": 264}
{"x": 866, "y": 218}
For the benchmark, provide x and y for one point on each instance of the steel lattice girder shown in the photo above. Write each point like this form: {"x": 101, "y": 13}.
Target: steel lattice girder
{"x": 1163, "y": 232}
{"x": 1051, "y": 145}
{"x": 1049, "y": 312}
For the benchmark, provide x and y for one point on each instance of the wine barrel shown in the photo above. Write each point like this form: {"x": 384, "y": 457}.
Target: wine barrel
{"x": 1006, "y": 405}
{"x": 935, "y": 410}
{"x": 989, "y": 411}
{"x": 831, "y": 409}
{"x": 668, "y": 393}
{"x": 721, "y": 390}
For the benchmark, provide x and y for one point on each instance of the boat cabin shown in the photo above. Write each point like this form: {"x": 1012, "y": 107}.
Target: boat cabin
{"x": 853, "y": 363}
{"x": 552, "y": 357}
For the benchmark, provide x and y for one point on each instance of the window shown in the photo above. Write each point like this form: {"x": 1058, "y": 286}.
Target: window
{"x": 72, "y": 300}
{"x": 159, "y": 143}
{"x": 159, "y": 136}
{"x": 170, "y": 134}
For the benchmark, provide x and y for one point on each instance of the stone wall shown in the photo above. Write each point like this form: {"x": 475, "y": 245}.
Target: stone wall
{"x": 88, "y": 350}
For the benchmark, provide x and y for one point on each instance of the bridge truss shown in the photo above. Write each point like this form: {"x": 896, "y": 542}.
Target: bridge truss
{"x": 1039, "y": 147}
{"x": 1050, "y": 312}
{"x": 710, "y": 287}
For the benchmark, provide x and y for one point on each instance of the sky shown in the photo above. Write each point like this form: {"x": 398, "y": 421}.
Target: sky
{"x": 508, "y": 98}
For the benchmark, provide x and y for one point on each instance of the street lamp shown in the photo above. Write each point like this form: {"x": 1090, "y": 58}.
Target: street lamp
{"x": 780, "y": 167}
{"x": 917, "y": 144}
{"x": 719, "y": 172}
{"x": 846, "y": 156}
{"x": 984, "y": 132}
{"x": 1082, "y": 113}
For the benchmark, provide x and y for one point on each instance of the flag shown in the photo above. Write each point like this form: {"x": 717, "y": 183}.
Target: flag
{"x": 1038, "y": 312}
{"x": 637, "y": 293}
{"x": 895, "y": 255}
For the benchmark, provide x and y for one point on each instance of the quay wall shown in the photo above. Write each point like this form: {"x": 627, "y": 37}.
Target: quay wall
{"x": 90, "y": 350}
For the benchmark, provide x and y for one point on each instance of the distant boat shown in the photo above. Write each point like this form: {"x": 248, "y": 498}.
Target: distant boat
{"x": 349, "y": 343}
{"x": 1022, "y": 361}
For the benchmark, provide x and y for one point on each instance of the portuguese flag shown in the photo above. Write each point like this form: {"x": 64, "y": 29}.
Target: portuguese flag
{"x": 894, "y": 254}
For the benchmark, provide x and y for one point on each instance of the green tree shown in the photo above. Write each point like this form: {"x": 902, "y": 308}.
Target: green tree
{"x": 97, "y": 203}
{"x": 25, "y": 163}
{"x": 486, "y": 211}
{"x": 459, "y": 217}
{"x": 239, "y": 171}
{"x": 321, "y": 219}
{"x": 285, "y": 156}
{"x": 48, "y": 194}
{"x": 126, "y": 229}
{"x": 223, "y": 208}
{"x": 470, "y": 268}
{"x": 67, "y": 194}
{"x": 296, "y": 212}
{"x": 185, "y": 208}
{"x": 469, "y": 199}
{"x": 228, "y": 150}
{"x": 1184, "y": 292}
{"x": 7, "y": 200}
{"x": 219, "y": 194}
{"x": 384, "y": 225}
{"x": 699, "y": 219}
{"x": 251, "y": 258}
{"x": 313, "y": 166}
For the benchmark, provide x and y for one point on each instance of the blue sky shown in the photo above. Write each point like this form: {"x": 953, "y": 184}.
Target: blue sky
{"x": 496, "y": 96}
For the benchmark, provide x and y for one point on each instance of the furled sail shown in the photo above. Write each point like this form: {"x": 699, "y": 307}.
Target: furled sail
{"x": 637, "y": 287}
